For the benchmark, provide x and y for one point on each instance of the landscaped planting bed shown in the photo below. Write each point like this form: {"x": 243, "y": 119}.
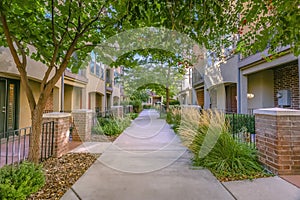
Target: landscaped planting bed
{"x": 207, "y": 135}
{"x": 61, "y": 173}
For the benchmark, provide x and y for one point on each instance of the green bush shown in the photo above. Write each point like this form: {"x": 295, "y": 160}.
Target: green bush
{"x": 147, "y": 106}
{"x": 137, "y": 105}
{"x": 208, "y": 137}
{"x": 18, "y": 182}
{"x": 174, "y": 118}
{"x": 112, "y": 126}
{"x": 172, "y": 102}
{"x": 132, "y": 115}
{"x": 229, "y": 158}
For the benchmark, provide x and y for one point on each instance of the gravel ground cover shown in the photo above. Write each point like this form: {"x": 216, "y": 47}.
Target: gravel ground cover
{"x": 61, "y": 173}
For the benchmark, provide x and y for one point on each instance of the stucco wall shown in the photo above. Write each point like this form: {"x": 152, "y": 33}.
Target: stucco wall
{"x": 229, "y": 70}
{"x": 261, "y": 84}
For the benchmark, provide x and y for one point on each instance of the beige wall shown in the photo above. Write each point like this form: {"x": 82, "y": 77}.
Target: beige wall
{"x": 35, "y": 70}
{"x": 229, "y": 70}
{"x": 68, "y": 96}
{"x": 77, "y": 98}
{"x": 56, "y": 99}
{"x": 25, "y": 114}
{"x": 218, "y": 97}
{"x": 261, "y": 84}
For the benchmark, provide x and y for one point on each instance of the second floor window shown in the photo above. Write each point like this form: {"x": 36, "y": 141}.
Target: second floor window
{"x": 93, "y": 62}
{"x": 98, "y": 69}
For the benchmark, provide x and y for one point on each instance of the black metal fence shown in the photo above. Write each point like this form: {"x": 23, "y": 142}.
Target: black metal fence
{"x": 103, "y": 113}
{"x": 242, "y": 127}
{"x": 14, "y": 144}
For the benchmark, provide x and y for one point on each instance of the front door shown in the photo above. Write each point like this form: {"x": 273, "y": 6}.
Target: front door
{"x": 9, "y": 96}
{"x": 3, "y": 97}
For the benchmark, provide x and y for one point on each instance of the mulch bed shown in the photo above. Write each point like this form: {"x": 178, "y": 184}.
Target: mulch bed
{"x": 61, "y": 173}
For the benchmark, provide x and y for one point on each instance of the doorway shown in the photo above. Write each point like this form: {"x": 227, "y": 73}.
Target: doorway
{"x": 9, "y": 105}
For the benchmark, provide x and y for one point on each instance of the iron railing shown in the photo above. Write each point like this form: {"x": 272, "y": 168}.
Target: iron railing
{"x": 242, "y": 127}
{"x": 14, "y": 144}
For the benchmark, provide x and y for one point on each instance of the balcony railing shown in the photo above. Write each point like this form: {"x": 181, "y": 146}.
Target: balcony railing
{"x": 197, "y": 78}
{"x": 109, "y": 85}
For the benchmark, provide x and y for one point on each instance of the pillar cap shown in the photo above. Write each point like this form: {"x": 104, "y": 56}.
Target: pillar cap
{"x": 82, "y": 111}
{"x": 277, "y": 112}
{"x": 56, "y": 115}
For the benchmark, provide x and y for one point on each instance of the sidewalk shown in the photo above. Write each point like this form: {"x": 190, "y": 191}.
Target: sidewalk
{"x": 147, "y": 161}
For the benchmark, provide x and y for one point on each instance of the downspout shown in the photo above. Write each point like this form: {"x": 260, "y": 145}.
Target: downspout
{"x": 105, "y": 96}
{"x": 239, "y": 91}
{"x": 62, "y": 93}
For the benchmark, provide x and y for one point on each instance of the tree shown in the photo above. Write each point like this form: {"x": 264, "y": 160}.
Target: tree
{"x": 155, "y": 69}
{"x": 60, "y": 35}
{"x": 269, "y": 24}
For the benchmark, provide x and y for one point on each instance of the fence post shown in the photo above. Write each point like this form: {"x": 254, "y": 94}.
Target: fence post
{"x": 61, "y": 131}
{"x": 278, "y": 139}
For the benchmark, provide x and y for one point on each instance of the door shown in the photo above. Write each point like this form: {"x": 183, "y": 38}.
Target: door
{"x": 9, "y": 104}
{"x": 3, "y": 98}
{"x": 231, "y": 102}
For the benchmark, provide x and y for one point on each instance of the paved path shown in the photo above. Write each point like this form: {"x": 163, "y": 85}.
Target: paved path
{"x": 148, "y": 162}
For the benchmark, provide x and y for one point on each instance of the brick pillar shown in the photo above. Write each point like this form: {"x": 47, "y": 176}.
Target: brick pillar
{"x": 61, "y": 131}
{"x": 83, "y": 121}
{"x": 117, "y": 111}
{"x": 278, "y": 139}
{"x": 130, "y": 108}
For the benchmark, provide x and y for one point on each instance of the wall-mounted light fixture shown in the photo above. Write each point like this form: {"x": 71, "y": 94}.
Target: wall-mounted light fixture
{"x": 250, "y": 96}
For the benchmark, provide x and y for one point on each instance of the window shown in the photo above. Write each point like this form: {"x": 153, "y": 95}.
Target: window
{"x": 102, "y": 71}
{"x": 93, "y": 62}
{"x": 98, "y": 69}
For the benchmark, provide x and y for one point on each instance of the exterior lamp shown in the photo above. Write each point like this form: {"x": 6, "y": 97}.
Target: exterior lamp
{"x": 250, "y": 96}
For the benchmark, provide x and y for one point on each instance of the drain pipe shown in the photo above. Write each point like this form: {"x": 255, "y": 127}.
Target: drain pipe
{"x": 62, "y": 93}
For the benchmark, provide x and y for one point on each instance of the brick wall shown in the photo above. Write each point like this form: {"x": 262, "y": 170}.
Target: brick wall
{"x": 61, "y": 131}
{"x": 287, "y": 77}
{"x": 278, "y": 142}
{"x": 83, "y": 121}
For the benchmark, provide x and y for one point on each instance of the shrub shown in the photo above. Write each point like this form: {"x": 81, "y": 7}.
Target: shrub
{"x": 174, "y": 118}
{"x": 207, "y": 136}
{"x": 112, "y": 126}
{"x": 132, "y": 115}
{"x": 231, "y": 159}
{"x": 147, "y": 106}
{"x": 137, "y": 105}
{"x": 18, "y": 182}
{"x": 172, "y": 102}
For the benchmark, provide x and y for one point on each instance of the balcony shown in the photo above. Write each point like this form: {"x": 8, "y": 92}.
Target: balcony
{"x": 197, "y": 78}
{"x": 108, "y": 86}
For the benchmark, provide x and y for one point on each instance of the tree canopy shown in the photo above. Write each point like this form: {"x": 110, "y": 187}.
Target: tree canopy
{"x": 61, "y": 34}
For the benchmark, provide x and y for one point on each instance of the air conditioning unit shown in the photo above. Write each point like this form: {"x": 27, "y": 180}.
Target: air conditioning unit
{"x": 284, "y": 98}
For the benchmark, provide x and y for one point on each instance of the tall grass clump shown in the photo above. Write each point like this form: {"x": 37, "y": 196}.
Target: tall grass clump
{"x": 207, "y": 136}
{"x": 174, "y": 118}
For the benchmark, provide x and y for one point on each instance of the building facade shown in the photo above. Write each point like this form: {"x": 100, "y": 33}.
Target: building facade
{"x": 94, "y": 87}
{"x": 244, "y": 84}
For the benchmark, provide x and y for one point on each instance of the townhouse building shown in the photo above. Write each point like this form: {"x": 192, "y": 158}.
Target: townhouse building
{"x": 185, "y": 94}
{"x": 95, "y": 87}
{"x": 242, "y": 84}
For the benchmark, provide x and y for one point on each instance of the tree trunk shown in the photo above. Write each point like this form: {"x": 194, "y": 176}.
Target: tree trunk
{"x": 35, "y": 137}
{"x": 167, "y": 99}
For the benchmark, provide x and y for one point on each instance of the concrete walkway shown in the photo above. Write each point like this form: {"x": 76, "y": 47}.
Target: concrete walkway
{"x": 147, "y": 161}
